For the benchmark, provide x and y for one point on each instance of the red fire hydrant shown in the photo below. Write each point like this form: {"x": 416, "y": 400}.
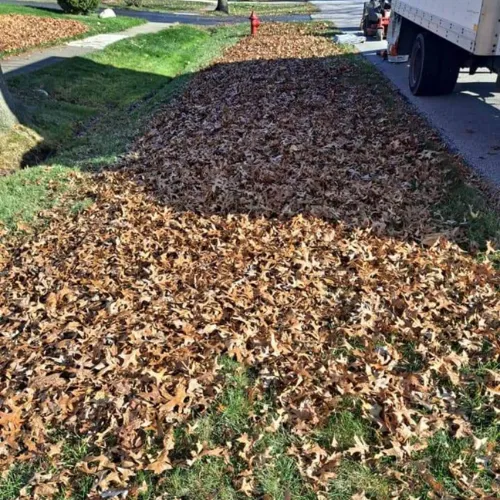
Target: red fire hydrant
{"x": 254, "y": 23}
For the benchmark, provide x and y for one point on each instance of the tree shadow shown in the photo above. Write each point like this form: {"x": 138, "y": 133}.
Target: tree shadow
{"x": 82, "y": 108}
{"x": 35, "y": 66}
{"x": 482, "y": 90}
{"x": 292, "y": 165}
{"x": 261, "y": 138}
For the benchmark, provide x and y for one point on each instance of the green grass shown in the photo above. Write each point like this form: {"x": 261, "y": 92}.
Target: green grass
{"x": 81, "y": 489}
{"x": 226, "y": 420}
{"x": 133, "y": 77}
{"x": 233, "y": 405}
{"x": 468, "y": 207}
{"x": 244, "y": 9}
{"x": 90, "y": 123}
{"x": 437, "y": 460}
{"x": 353, "y": 477}
{"x": 23, "y": 194}
{"x": 229, "y": 416}
{"x": 441, "y": 453}
{"x": 342, "y": 428}
{"x": 276, "y": 473}
{"x": 280, "y": 479}
{"x": 235, "y": 8}
{"x": 74, "y": 449}
{"x": 435, "y": 463}
{"x": 206, "y": 479}
{"x": 476, "y": 403}
{"x": 80, "y": 205}
{"x": 412, "y": 361}
{"x": 16, "y": 479}
{"x": 94, "y": 24}
{"x": 14, "y": 145}
{"x": 277, "y": 478}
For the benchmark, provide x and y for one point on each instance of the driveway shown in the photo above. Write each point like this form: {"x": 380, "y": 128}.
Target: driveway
{"x": 468, "y": 120}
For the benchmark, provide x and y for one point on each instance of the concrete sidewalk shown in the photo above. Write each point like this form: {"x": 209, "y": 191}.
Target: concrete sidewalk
{"x": 32, "y": 61}
{"x": 346, "y": 14}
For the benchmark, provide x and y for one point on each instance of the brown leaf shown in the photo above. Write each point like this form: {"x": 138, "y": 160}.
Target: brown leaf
{"x": 23, "y": 31}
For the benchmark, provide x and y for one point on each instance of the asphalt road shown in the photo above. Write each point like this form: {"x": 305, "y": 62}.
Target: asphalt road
{"x": 468, "y": 120}
{"x": 170, "y": 17}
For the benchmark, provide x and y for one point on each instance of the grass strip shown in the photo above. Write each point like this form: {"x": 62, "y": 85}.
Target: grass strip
{"x": 89, "y": 124}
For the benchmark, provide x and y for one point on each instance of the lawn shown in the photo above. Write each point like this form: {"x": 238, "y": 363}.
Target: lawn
{"x": 270, "y": 296}
{"x": 94, "y": 24}
{"x": 89, "y": 123}
{"x": 235, "y": 8}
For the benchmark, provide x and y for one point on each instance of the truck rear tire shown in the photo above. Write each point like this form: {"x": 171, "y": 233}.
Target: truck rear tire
{"x": 434, "y": 66}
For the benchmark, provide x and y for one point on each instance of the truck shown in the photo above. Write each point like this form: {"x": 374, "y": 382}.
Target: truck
{"x": 442, "y": 36}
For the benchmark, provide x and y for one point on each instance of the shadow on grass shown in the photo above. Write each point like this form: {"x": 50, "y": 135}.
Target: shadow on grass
{"x": 268, "y": 139}
{"x": 95, "y": 115}
{"x": 292, "y": 117}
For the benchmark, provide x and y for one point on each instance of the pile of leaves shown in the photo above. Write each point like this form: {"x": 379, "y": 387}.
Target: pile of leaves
{"x": 19, "y": 32}
{"x": 279, "y": 213}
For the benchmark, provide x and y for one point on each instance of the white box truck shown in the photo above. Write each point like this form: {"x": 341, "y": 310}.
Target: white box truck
{"x": 442, "y": 36}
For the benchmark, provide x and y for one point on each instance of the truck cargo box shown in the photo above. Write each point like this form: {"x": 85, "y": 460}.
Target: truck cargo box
{"x": 473, "y": 25}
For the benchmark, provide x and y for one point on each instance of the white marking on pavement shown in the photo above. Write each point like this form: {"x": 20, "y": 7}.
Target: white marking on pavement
{"x": 98, "y": 41}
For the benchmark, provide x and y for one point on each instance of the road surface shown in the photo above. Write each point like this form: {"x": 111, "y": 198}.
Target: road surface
{"x": 169, "y": 17}
{"x": 468, "y": 120}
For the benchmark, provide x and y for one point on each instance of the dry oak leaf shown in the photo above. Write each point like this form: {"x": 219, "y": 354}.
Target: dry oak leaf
{"x": 162, "y": 462}
{"x": 247, "y": 486}
{"x": 24, "y": 31}
{"x": 359, "y": 447}
{"x": 204, "y": 452}
{"x": 432, "y": 239}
